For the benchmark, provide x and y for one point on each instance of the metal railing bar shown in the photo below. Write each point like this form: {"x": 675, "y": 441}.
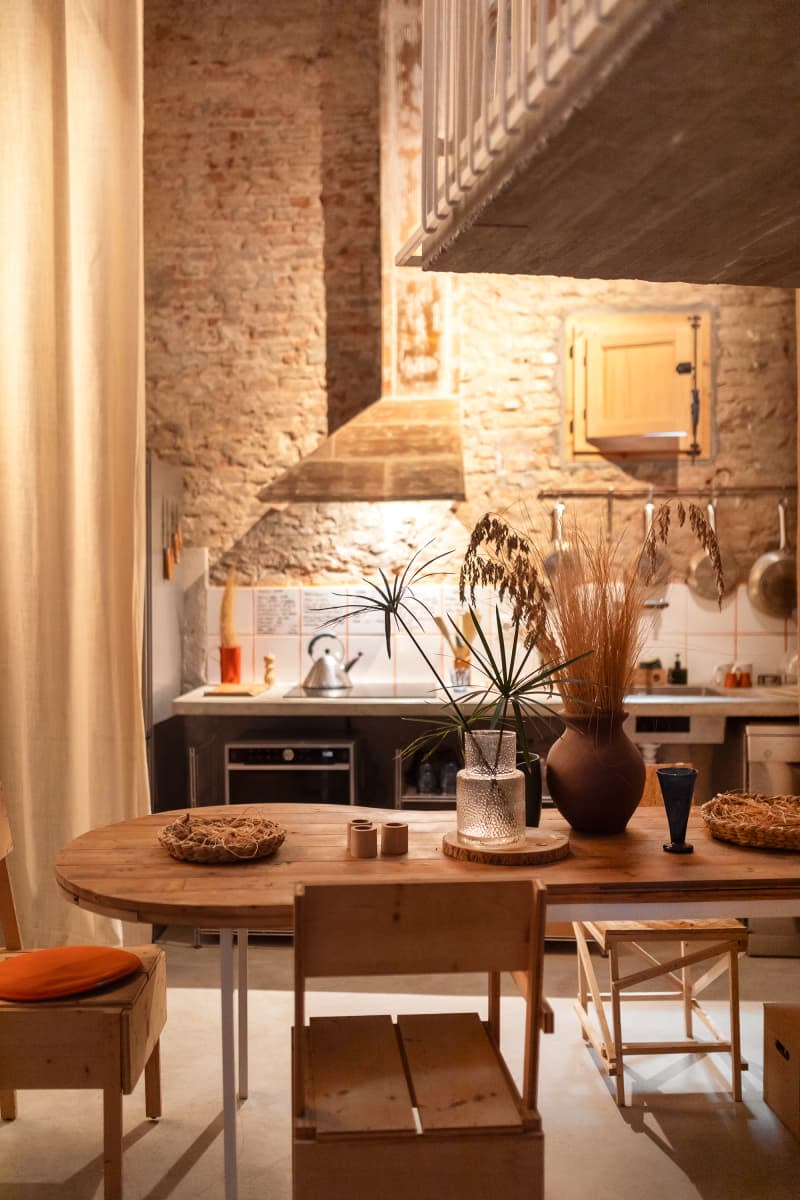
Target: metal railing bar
{"x": 485, "y": 63}
{"x": 458, "y": 93}
{"x": 485, "y": 79}
{"x": 447, "y": 42}
{"x": 439, "y": 70}
{"x": 678, "y": 493}
{"x": 429, "y": 155}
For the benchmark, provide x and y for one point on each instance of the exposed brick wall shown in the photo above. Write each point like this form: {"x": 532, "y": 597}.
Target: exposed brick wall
{"x": 261, "y": 240}
{"x": 263, "y": 308}
{"x": 510, "y": 334}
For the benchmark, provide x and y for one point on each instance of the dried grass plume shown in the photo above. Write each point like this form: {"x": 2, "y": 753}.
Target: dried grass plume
{"x": 586, "y": 610}
{"x": 227, "y": 629}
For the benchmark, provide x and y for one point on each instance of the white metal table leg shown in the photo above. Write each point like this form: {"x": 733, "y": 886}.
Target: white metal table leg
{"x": 241, "y": 943}
{"x": 228, "y": 1064}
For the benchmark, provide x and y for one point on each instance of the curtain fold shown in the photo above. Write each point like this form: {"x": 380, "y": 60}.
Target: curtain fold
{"x": 72, "y": 752}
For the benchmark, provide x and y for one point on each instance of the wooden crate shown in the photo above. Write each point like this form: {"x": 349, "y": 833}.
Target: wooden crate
{"x": 782, "y": 1063}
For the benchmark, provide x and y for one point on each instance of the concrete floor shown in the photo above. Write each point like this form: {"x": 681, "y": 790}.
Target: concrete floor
{"x": 681, "y": 1138}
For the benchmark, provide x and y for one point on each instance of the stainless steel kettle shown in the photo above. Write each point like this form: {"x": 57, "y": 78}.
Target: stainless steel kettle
{"x": 329, "y": 670}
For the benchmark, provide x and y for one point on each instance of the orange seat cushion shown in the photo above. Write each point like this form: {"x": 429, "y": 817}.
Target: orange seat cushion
{"x": 65, "y": 971}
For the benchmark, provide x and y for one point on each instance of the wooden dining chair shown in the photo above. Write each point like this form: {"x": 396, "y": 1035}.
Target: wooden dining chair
{"x": 423, "y": 1106}
{"x": 100, "y": 1039}
{"x": 713, "y": 943}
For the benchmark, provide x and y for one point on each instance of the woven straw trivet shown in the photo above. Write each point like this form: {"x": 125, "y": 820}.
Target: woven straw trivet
{"x": 221, "y": 839}
{"x": 750, "y": 819}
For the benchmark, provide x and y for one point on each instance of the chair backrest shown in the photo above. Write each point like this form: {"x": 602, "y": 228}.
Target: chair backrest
{"x": 414, "y": 928}
{"x": 8, "y": 913}
{"x": 424, "y": 928}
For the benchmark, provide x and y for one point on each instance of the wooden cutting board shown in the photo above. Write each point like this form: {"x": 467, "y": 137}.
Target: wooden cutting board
{"x": 237, "y": 689}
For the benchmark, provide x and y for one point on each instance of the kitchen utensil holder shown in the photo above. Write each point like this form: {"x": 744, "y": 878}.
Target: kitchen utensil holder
{"x": 356, "y": 823}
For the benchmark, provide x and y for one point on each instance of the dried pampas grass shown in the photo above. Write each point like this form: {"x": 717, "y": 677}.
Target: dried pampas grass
{"x": 587, "y": 610}
{"x": 227, "y": 629}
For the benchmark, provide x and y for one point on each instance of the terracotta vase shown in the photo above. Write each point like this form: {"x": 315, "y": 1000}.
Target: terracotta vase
{"x": 595, "y": 773}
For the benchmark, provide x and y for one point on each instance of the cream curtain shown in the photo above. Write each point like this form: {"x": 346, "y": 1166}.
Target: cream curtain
{"x": 71, "y": 438}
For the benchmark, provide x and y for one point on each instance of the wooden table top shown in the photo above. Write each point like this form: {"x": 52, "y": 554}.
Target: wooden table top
{"x": 121, "y": 870}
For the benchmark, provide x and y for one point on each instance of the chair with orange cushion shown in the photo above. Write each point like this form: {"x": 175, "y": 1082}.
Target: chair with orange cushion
{"x": 103, "y": 1037}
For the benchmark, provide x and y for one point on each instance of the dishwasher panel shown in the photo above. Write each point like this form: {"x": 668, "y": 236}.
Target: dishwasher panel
{"x": 772, "y": 767}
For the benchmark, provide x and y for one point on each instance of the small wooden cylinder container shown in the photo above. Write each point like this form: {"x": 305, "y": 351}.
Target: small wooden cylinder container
{"x": 356, "y": 823}
{"x": 394, "y": 838}
{"x": 363, "y": 840}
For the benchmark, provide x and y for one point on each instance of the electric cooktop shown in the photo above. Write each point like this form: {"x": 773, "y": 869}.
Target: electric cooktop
{"x": 367, "y": 691}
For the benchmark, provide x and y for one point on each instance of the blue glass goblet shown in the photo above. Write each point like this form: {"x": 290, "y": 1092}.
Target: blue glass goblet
{"x": 677, "y": 786}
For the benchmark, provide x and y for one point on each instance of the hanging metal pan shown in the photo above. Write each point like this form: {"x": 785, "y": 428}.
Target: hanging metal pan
{"x": 701, "y": 578}
{"x": 772, "y": 583}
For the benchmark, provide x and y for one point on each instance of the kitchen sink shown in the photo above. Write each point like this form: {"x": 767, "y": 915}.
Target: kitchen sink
{"x": 671, "y": 722}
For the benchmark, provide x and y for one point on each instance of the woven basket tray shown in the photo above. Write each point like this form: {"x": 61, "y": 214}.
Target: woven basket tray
{"x": 750, "y": 819}
{"x": 221, "y": 839}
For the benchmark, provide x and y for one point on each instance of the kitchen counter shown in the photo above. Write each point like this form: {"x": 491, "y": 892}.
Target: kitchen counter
{"x": 752, "y": 702}
{"x": 706, "y": 729}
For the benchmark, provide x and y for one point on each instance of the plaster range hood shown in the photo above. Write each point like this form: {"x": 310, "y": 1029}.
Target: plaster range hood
{"x": 398, "y": 448}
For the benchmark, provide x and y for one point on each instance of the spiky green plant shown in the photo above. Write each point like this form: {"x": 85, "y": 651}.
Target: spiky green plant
{"x": 512, "y": 688}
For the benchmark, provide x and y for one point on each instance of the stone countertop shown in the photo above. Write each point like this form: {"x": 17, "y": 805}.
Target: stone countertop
{"x": 745, "y": 703}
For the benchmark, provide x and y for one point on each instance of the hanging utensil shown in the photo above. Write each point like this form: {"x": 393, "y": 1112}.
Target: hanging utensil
{"x": 559, "y": 546}
{"x": 702, "y": 578}
{"x": 610, "y": 516}
{"x": 166, "y": 543}
{"x": 772, "y": 583}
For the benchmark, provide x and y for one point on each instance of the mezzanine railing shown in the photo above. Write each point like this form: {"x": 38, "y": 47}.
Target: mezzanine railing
{"x": 486, "y": 65}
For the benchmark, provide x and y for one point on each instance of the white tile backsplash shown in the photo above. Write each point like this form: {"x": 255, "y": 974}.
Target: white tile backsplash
{"x": 672, "y": 620}
{"x": 706, "y": 616}
{"x": 424, "y": 602}
{"x": 704, "y": 652}
{"x": 765, "y": 651}
{"x": 277, "y": 611}
{"x": 285, "y": 619}
{"x": 319, "y": 606}
{"x": 368, "y": 621}
{"x": 410, "y": 666}
{"x": 750, "y": 620}
{"x": 374, "y": 664}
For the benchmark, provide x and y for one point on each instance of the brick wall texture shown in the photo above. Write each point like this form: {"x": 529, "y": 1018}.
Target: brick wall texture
{"x": 263, "y": 311}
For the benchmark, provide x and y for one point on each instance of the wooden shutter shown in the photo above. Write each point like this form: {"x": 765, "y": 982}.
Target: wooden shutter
{"x": 624, "y": 395}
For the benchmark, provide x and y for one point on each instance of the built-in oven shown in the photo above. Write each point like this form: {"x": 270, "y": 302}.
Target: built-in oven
{"x": 290, "y": 772}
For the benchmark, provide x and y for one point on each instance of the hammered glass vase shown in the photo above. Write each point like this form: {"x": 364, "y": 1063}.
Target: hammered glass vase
{"x": 490, "y": 791}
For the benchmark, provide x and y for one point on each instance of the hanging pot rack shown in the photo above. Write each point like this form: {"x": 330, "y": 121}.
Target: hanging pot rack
{"x": 648, "y": 493}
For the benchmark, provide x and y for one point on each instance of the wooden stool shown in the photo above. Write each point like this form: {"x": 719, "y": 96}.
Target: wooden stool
{"x": 718, "y": 941}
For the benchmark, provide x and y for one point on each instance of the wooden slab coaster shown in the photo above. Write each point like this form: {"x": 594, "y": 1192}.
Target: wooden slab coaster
{"x": 540, "y": 846}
